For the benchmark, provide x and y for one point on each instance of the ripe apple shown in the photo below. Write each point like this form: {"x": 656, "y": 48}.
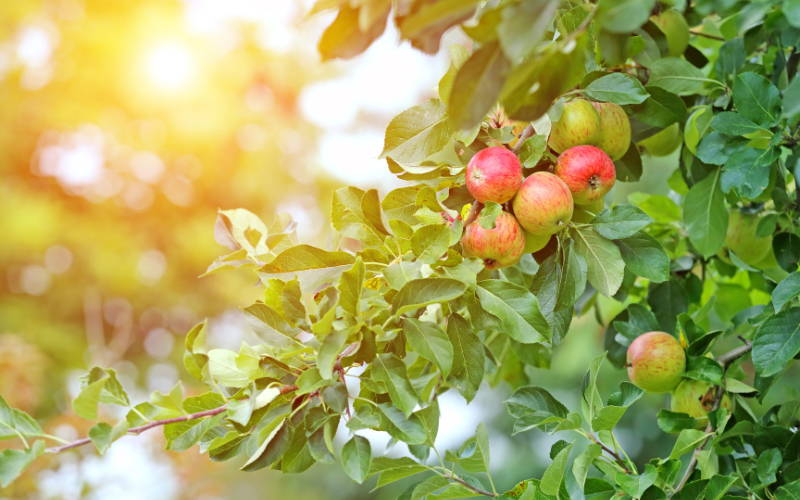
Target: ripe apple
{"x": 543, "y": 205}
{"x": 588, "y": 171}
{"x": 741, "y": 237}
{"x": 494, "y": 174}
{"x": 656, "y": 362}
{"x": 579, "y": 124}
{"x": 500, "y": 246}
{"x": 615, "y": 129}
{"x": 696, "y": 398}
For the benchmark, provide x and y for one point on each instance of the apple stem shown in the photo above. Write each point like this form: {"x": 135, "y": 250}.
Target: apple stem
{"x": 474, "y": 210}
{"x": 725, "y": 360}
{"x": 526, "y": 133}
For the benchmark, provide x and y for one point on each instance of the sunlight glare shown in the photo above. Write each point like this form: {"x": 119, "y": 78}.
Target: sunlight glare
{"x": 171, "y": 66}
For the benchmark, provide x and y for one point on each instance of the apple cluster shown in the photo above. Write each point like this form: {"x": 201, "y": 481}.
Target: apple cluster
{"x": 588, "y": 137}
{"x": 656, "y": 363}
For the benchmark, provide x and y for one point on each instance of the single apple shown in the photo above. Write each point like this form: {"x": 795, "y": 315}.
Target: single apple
{"x": 500, "y": 246}
{"x": 535, "y": 242}
{"x": 741, "y": 237}
{"x": 578, "y": 124}
{"x": 663, "y": 142}
{"x": 587, "y": 213}
{"x": 588, "y": 171}
{"x": 656, "y": 362}
{"x": 696, "y": 398}
{"x": 615, "y": 129}
{"x": 494, "y": 174}
{"x": 543, "y": 205}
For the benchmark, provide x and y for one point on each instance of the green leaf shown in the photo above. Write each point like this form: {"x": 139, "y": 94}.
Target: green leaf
{"x": 99, "y": 386}
{"x": 687, "y": 440}
{"x": 677, "y": 76}
{"x": 331, "y": 346}
{"x": 554, "y": 474}
{"x": 516, "y": 308}
{"x": 417, "y": 133}
{"x": 195, "y": 359}
{"x": 604, "y": 264}
{"x": 345, "y": 38}
{"x": 305, "y": 258}
{"x": 427, "y": 22}
{"x": 532, "y": 407}
{"x": 13, "y": 462}
{"x": 786, "y": 291}
{"x": 704, "y": 369}
{"x": 430, "y": 242}
{"x": 582, "y": 463}
{"x": 623, "y": 16}
{"x": 522, "y": 26}
{"x": 477, "y": 86}
{"x": 672, "y": 422}
{"x": 767, "y": 465}
{"x": 356, "y": 213}
{"x": 390, "y": 470}
{"x": 607, "y": 418}
{"x": 232, "y": 369}
{"x": 357, "y": 458}
{"x": 705, "y": 216}
{"x": 789, "y": 491}
{"x": 620, "y": 221}
{"x": 100, "y": 434}
{"x": 757, "y": 98}
{"x": 696, "y": 126}
{"x": 392, "y": 372}
{"x": 791, "y": 100}
{"x": 351, "y": 284}
{"x": 776, "y": 342}
{"x": 430, "y": 341}
{"x": 422, "y": 292}
{"x": 488, "y": 214}
{"x": 619, "y": 88}
{"x": 661, "y": 109}
{"x": 15, "y": 422}
{"x": 407, "y": 429}
{"x": 730, "y": 123}
{"x": 791, "y": 9}
{"x": 645, "y": 257}
{"x": 748, "y": 171}
{"x": 468, "y": 357}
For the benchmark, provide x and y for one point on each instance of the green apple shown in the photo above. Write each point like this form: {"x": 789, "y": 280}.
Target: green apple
{"x": 656, "y": 362}
{"x": 663, "y": 142}
{"x": 696, "y": 398}
{"x": 578, "y": 124}
{"x": 742, "y": 240}
{"x": 615, "y": 129}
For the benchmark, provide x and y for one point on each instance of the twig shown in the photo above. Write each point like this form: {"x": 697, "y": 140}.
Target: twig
{"x": 526, "y": 133}
{"x": 477, "y": 490}
{"x": 706, "y": 35}
{"x": 158, "y": 423}
{"x": 725, "y": 360}
{"x": 474, "y": 210}
{"x": 617, "y": 458}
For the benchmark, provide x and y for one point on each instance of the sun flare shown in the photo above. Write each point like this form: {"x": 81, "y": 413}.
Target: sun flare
{"x": 170, "y": 66}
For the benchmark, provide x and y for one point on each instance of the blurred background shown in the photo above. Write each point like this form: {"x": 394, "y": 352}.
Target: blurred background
{"x": 125, "y": 127}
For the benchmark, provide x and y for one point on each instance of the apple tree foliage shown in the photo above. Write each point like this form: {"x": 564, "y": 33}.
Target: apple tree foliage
{"x": 395, "y": 310}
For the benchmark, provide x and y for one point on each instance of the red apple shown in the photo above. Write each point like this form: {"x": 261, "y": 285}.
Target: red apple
{"x": 494, "y": 174}
{"x": 543, "y": 205}
{"x": 656, "y": 362}
{"x": 500, "y": 246}
{"x": 588, "y": 171}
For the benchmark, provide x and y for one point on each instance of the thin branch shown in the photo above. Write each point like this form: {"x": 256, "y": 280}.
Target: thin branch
{"x": 725, "y": 360}
{"x": 474, "y": 210}
{"x": 526, "y": 133}
{"x": 158, "y": 423}
{"x": 477, "y": 490}
{"x": 616, "y": 456}
{"x": 707, "y": 35}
